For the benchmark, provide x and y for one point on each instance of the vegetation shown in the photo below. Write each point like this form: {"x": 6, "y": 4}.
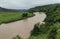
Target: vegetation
{"x": 25, "y": 15}
{"x": 51, "y": 28}
{"x": 6, "y": 17}
{"x": 17, "y": 37}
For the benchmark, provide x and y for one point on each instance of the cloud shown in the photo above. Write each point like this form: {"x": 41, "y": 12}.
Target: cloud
{"x": 25, "y": 4}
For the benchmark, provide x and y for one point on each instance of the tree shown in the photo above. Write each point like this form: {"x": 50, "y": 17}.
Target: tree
{"x": 17, "y": 37}
{"x": 36, "y": 29}
{"x": 25, "y": 15}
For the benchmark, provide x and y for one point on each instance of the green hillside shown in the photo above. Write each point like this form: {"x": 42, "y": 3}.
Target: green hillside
{"x": 45, "y": 8}
{"x": 51, "y": 28}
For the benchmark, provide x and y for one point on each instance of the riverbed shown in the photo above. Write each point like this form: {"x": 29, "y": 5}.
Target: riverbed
{"x": 21, "y": 27}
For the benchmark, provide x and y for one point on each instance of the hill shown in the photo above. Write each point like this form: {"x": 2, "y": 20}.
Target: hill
{"x": 7, "y": 10}
{"x": 45, "y": 8}
{"x": 12, "y": 10}
{"x": 51, "y": 28}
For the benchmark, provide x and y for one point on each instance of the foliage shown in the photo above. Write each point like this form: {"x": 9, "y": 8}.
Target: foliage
{"x": 51, "y": 28}
{"x": 25, "y": 15}
{"x": 36, "y": 30}
{"x": 17, "y": 37}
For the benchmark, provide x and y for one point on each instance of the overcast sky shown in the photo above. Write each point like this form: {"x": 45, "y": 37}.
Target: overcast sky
{"x": 25, "y": 4}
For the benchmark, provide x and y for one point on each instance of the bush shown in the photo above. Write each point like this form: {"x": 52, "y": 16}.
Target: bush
{"x": 25, "y": 15}
{"x": 17, "y": 37}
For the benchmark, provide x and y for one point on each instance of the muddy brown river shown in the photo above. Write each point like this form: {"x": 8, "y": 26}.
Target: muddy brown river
{"x": 21, "y": 27}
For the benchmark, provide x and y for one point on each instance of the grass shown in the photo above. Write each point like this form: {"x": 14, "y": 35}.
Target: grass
{"x": 6, "y": 17}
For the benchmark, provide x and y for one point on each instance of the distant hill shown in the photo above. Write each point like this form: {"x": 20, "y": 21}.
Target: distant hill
{"x": 45, "y": 8}
{"x": 6, "y": 10}
{"x": 12, "y": 10}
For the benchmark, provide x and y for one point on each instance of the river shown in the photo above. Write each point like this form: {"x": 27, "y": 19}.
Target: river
{"x": 21, "y": 27}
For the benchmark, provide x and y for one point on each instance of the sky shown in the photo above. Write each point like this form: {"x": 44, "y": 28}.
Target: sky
{"x": 25, "y": 4}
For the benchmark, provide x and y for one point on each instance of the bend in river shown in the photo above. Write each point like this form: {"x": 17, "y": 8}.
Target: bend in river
{"x": 21, "y": 27}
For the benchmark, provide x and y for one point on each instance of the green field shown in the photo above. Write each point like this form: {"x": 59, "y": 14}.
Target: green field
{"x": 6, "y": 17}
